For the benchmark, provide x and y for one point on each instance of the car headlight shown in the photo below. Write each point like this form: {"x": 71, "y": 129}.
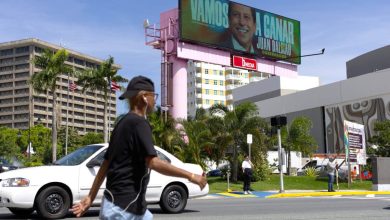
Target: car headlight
{"x": 15, "y": 182}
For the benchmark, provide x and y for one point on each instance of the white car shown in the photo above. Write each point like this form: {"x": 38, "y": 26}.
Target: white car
{"x": 51, "y": 190}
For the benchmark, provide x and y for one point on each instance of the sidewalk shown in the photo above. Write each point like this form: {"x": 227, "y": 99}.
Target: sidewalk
{"x": 296, "y": 193}
{"x": 314, "y": 193}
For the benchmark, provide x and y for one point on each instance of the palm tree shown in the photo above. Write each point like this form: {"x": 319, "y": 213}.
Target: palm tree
{"x": 52, "y": 66}
{"x": 196, "y": 137}
{"x": 100, "y": 79}
{"x": 238, "y": 123}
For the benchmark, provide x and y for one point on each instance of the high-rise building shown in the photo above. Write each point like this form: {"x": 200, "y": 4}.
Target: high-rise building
{"x": 21, "y": 107}
{"x": 209, "y": 84}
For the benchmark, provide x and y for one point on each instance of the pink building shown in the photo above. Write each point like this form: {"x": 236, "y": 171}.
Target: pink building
{"x": 175, "y": 56}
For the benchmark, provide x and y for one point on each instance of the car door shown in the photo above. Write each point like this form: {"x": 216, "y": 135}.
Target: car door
{"x": 157, "y": 181}
{"x": 87, "y": 176}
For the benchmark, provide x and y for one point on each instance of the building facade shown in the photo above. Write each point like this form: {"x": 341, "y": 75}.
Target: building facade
{"x": 210, "y": 84}
{"x": 362, "y": 98}
{"x": 21, "y": 107}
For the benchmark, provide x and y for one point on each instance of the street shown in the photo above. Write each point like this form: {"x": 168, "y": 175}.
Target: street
{"x": 360, "y": 207}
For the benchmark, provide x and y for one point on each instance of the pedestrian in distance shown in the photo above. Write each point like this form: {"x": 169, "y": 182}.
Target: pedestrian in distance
{"x": 331, "y": 168}
{"x": 129, "y": 159}
{"x": 247, "y": 167}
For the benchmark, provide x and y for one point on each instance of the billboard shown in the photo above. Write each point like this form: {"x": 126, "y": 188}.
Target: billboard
{"x": 354, "y": 141}
{"x": 239, "y": 28}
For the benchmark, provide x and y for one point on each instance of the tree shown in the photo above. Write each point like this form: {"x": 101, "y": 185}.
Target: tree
{"x": 8, "y": 142}
{"x": 196, "y": 137}
{"x": 165, "y": 134}
{"x": 299, "y": 138}
{"x": 100, "y": 79}
{"x": 74, "y": 139}
{"x": 381, "y": 139}
{"x": 52, "y": 65}
{"x": 92, "y": 138}
{"x": 238, "y": 123}
{"x": 40, "y": 142}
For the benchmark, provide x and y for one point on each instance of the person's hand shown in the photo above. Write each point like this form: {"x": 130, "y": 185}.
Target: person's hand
{"x": 81, "y": 208}
{"x": 198, "y": 179}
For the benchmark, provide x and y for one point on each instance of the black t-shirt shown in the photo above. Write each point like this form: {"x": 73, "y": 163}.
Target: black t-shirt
{"x": 127, "y": 175}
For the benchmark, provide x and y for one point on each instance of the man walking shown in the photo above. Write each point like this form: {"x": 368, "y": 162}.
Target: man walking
{"x": 129, "y": 158}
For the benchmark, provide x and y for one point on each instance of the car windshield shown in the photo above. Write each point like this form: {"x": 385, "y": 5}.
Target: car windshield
{"x": 78, "y": 156}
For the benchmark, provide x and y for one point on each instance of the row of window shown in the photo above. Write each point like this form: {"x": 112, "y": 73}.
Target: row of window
{"x": 17, "y": 67}
{"x": 215, "y": 72}
{"x": 207, "y": 102}
{"x": 7, "y": 52}
{"x": 16, "y": 59}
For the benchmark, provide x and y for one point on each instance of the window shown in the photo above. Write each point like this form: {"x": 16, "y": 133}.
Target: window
{"x": 207, "y": 101}
{"x": 22, "y": 58}
{"x": 5, "y": 61}
{"x": 206, "y": 81}
{"x": 215, "y": 92}
{"x": 221, "y": 82}
{"x": 206, "y": 71}
{"x": 215, "y": 72}
{"x": 21, "y": 83}
{"x": 6, "y": 68}
{"x": 22, "y": 66}
{"x": 220, "y": 92}
{"x": 20, "y": 75}
{"x": 207, "y": 91}
{"x": 38, "y": 50}
{"x": 22, "y": 49}
{"x": 215, "y": 82}
{"x": 6, "y": 52}
{"x": 221, "y": 72}
{"x": 79, "y": 62}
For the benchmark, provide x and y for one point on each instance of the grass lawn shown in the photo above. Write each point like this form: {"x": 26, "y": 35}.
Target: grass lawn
{"x": 218, "y": 184}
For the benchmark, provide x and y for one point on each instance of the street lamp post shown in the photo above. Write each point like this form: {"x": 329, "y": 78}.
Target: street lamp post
{"x": 29, "y": 136}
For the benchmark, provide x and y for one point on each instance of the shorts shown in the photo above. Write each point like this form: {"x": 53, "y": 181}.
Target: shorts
{"x": 109, "y": 211}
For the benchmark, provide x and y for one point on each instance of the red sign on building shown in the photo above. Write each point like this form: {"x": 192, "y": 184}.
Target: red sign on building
{"x": 245, "y": 63}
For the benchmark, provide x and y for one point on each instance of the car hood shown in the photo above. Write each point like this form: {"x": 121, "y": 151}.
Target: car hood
{"x": 41, "y": 172}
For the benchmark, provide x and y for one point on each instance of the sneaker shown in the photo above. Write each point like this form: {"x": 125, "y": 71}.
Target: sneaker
{"x": 249, "y": 192}
{"x": 246, "y": 193}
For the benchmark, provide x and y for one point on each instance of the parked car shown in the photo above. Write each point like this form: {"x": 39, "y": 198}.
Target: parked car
{"x": 9, "y": 164}
{"x": 51, "y": 190}
{"x": 216, "y": 172}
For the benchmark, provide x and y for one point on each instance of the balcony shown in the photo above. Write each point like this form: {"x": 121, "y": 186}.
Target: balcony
{"x": 230, "y": 87}
{"x": 233, "y": 77}
{"x": 198, "y": 85}
{"x": 229, "y": 97}
{"x": 199, "y": 96}
{"x": 198, "y": 74}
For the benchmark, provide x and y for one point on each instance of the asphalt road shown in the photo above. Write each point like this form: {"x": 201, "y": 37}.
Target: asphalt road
{"x": 258, "y": 208}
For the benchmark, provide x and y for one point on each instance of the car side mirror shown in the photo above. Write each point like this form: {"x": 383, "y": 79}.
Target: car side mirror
{"x": 93, "y": 163}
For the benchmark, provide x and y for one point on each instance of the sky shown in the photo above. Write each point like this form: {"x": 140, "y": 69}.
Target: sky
{"x": 102, "y": 28}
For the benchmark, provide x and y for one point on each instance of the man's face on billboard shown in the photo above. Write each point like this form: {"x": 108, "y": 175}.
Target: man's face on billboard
{"x": 242, "y": 24}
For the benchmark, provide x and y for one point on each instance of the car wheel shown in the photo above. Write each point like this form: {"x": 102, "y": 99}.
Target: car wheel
{"x": 173, "y": 199}
{"x": 21, "y": 212}
{"x": 53, "y": 202}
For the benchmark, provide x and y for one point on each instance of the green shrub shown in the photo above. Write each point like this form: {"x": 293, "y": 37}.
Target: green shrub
{"x": 311, "y": 171}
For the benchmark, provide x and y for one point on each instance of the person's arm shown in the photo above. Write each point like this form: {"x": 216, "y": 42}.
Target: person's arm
{"x": 165, "y": 168}
{"x": 80, "y": 208}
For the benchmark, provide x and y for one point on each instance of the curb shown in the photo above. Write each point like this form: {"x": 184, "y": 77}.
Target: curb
{"x": 313, "y": 194}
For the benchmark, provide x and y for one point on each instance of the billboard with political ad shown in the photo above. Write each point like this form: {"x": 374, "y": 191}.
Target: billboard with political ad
{"x": 236, "y": 27}
{"x": 354, "y": 141}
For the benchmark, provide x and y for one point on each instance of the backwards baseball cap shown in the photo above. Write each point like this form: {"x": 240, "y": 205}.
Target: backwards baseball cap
{"x": 136, "y": 84}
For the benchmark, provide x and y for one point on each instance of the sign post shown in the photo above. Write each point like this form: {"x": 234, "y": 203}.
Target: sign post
{"x": 249, "y": 141}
